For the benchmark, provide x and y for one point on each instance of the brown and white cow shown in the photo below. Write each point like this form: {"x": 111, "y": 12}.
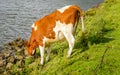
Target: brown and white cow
{"x": 61, "y": 23}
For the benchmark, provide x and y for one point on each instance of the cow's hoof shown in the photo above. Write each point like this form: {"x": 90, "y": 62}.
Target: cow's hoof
{"x": 42, "y": 63}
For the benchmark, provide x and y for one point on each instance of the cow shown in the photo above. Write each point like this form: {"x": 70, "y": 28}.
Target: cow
{"x": 60, "y": 24}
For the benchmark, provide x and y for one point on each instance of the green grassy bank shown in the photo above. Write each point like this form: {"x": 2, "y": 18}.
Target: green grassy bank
{"x": 96, "y": 53}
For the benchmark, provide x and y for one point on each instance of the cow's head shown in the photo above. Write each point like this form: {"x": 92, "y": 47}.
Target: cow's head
{"x": 30, "y": 48}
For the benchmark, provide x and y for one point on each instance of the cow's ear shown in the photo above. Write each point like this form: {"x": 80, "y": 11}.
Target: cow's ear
{"x": 27, "y": 43}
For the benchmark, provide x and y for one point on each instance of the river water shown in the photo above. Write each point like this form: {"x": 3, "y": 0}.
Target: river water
{"x": 17, "y": 16}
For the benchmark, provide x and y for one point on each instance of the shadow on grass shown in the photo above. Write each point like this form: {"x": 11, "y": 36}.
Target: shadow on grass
{"x": 98, "y": 38}
{"x": 82, "y": 43}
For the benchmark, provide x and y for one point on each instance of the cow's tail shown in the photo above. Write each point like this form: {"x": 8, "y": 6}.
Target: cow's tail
{"x": 81, "y": 17}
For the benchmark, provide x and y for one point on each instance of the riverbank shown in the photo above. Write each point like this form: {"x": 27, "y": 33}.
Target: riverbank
{"x": 98, "y": 52}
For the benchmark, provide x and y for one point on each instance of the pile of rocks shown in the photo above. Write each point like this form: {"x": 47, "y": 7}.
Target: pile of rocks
{"x": 12, "y": 53}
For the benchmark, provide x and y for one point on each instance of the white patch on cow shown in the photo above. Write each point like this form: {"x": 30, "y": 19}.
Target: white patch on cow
{"x": 35, "y": 27}
{"x": 63, "y": 8}
{"x": 59, "y": 29}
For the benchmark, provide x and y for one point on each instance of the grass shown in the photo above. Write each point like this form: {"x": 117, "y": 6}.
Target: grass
{"x": 102, "y": 24}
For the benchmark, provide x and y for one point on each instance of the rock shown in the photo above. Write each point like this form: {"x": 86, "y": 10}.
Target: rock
{"x": 1, "y": 48}
{"x": 20, "y": 63}
{"x": 10, "y": 44}
{"x": 6, "y": 54}
{"x": 7, "y": 72}
{"x": 2, "y": 63}
{"x": 19, "y": 44}
{"x": 19, "y": 57}
{"x": 11, "y": 59}
{"x": 9, "y": 66}
{"x": 19, "y": 69}
{"x": 17, "y": 39}
{"x": 1, "y": 56}
{"x": 12, "y": 53}
{"x": 17, "y": 49}
{"x": 13, "y": 43}
{"x": 1, "y": 70}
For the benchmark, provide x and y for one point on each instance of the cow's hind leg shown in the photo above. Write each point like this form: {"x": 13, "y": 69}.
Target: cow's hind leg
{"x": 71, "y": 41}
{"x": 42, "y": 54}
{"x": 48, "y": 52}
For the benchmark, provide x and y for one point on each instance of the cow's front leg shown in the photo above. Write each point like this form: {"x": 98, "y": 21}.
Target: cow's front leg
{"x": 42, "y": 54}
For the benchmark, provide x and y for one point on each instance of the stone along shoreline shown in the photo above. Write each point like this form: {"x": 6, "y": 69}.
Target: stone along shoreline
{"x": 12, "y": 53}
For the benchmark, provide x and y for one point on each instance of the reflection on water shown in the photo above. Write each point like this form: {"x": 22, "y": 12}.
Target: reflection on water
{"x": 17, "y": 16}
